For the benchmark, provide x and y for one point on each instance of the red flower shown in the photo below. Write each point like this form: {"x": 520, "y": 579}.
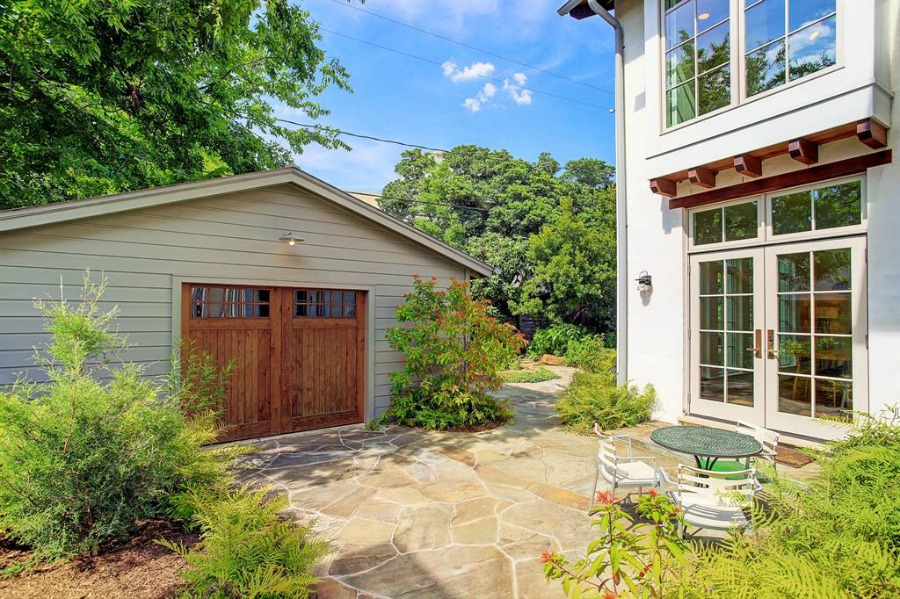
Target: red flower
{"x": 606, "y": 497}
{"x": 547, "y": 557}
{"x": 609, "y": 595}
{"x": 652, "y": 492}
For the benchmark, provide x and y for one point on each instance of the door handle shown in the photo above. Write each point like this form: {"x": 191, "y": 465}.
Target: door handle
{"x": 757, "y": 343}
{"x": 770, "y": 343}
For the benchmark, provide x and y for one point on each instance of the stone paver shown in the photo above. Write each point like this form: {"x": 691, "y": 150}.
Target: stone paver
{"x": 444, "y": 515}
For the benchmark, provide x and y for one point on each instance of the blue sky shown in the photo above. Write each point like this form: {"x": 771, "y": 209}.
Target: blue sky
{"x": 452, "y": 94}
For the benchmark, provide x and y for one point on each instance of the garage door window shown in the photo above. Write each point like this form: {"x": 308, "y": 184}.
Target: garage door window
{"x": 229, "y": 302}
{"x": 331, "y": 303}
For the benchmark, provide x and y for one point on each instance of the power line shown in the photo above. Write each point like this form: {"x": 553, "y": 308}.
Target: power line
{"x": 359, "y": 135}
{"x": 428, "y": 60}
{"x": 470, "y": 47}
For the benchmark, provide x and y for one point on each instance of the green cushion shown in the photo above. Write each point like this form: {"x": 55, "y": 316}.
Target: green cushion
{"x": 729, "y": 466}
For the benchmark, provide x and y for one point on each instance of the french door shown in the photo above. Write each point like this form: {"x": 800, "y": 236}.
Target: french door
{"x": 778, "y": 335}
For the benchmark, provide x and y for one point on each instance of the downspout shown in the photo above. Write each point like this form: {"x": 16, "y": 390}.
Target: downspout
{"x": 621, "y": 194}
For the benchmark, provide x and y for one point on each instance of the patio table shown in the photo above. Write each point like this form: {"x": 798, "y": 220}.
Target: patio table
{"x": 706, "y": 443}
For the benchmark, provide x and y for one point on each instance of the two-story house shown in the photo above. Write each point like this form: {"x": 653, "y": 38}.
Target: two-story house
{"x": 762, "y": 202}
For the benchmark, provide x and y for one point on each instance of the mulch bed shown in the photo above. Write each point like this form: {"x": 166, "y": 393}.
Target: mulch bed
{"x": 139, "y": 569}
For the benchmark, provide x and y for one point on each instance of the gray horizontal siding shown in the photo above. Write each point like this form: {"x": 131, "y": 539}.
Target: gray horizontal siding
{"x": 230, "y": 238}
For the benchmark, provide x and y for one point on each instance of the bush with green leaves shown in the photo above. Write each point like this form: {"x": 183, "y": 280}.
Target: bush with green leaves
{"x": 837, "y": 536}
{"x": 247, "y": 549}
{"x": 454, "y": 352}
{"x": 556, "y": 339}
{"x": 529, "y": 375}
{"x": 97, "y": 447}
{"x": 595, "y": 397}
{"x": 591, "y": 355}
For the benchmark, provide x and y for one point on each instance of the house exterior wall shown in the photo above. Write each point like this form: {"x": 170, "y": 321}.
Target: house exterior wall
{"x": 860, "y": 86}
{"x": 146, "y": 254}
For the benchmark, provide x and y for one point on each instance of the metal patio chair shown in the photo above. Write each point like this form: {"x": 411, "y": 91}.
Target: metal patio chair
{"x": 713, "y": 500}
{"x": 619, "y": 470}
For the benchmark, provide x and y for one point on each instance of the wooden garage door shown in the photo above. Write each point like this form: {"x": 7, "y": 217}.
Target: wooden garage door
{"x": 298, "y": 354}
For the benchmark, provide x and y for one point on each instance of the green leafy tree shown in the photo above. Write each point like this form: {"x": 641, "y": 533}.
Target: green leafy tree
{"x": 101, "y": 96}
{"x": 490, "y": 204}
{"x": 575, "y": 271}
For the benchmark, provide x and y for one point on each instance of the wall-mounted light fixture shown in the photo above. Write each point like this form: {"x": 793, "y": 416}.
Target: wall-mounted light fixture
{"x": 644, "y": 281}
{"x": 291, "y": 239}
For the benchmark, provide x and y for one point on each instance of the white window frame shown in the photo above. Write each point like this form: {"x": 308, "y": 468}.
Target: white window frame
{"x": 738, "y": 63}
{"x": 766, "y": 235}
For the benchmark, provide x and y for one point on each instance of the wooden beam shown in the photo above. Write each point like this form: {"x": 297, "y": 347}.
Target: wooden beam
{"x": 749, "y": 165}
{"x": 822, "y": 172}
{"x": 664, "y": 187}
{"x": 702, "y": 176}
{"x": 872, "y": 133}
{"x": 803, "y": 150}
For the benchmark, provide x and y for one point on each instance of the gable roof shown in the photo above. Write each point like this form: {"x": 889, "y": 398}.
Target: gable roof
{"x": 36, "y": 216}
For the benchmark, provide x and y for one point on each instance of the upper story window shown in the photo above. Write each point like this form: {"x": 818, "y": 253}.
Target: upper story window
{"x": 698, "y": 58}
{"x": 775, "y": 43}
{"x": 785, "y": 40}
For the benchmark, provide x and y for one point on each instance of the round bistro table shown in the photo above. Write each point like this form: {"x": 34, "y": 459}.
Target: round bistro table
{"x": 706, "y": 444}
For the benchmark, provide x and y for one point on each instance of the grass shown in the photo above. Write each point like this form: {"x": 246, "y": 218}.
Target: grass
{"x": 529, "y": 375}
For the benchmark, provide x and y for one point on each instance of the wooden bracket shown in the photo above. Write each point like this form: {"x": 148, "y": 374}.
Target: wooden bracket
{"x": 748, "y": 165}
{"x": 872, "y": 133}
{"x": 702, "y": 176}
{"x": 664, "y": 187}
{"x": 803, "y": 150}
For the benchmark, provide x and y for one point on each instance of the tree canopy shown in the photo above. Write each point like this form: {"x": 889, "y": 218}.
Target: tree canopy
{"x": 549, "y": 229}
{"x": 103, "y": 96}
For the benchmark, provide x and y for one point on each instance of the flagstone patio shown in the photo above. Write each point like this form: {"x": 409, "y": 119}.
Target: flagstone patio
{"x": 417, "y": 514}
{"x": 428, "y": 514}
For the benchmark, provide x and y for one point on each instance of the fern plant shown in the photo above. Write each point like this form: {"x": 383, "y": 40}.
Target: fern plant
{"x": 247, "y": 550}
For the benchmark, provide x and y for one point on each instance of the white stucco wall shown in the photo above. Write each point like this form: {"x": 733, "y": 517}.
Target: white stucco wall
{"x": 861, "y": 86}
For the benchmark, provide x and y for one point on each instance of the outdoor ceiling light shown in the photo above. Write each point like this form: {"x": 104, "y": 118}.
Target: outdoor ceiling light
{"x": 644, "y": 281}
{"x": 703, "y": 16}
{"x": 291, "y": 239}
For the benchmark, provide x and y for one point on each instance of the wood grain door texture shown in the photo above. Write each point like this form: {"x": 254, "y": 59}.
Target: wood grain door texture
{"x": 298, "y": 355}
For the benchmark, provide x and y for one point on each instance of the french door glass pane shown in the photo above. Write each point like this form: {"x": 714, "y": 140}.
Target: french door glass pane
{"x": 813, "y": 48}
{"x": 765, "y": 68}
{"x": 794, "y": 354}
{"x": 712, "y": 349}
{"x": 711, "y": 278}
{"x": 740, "y": 312}
{"x": 834, "y": 313}
{"x": 739, "y": 388}
{"x": 794, "y": 313}
{"x": 712, "y": 313}
{"x": 764, "y": 22}
{"x": 740, "y": 350}
{"x": 740, "y": 275}
{"x": 834, "y": 356}
{"x": 712, "y": 383}
{"x": 832, "y": 270}
{"x": 833, "y": 397}
{"x": 794, "y": 395}
{"x": 793, "y": 272}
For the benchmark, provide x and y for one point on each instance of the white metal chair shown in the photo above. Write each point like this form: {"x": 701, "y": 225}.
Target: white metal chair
{"x": 713, "y": 500}
{"x": 622, "y": 470}
{"x": 768, "y": 439}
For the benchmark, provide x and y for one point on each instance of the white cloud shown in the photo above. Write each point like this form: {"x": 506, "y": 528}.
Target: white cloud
{"x": 482, "y": 97}
{"x": 454, "y": 73}
{"x": 520, "y": 96}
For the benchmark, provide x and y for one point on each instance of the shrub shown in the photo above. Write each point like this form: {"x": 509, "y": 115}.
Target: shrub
{"x": 247, "y": 549}
{"x": 838, "y": 536}
{"x": 596, "y": 398}
{"x": 454, "y": 353}
{"x": 591, "y": 355}
{"x": 627, "y": 560}
{"x": 529, "y": 375}
{"x": 96, "y": 448}
{"x": 555, "y": 339}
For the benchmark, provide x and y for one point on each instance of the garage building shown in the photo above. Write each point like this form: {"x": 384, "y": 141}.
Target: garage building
{"x": 295, "y": 279}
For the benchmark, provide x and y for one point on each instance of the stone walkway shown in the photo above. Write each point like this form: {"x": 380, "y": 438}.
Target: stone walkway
{"x": 416, "y": 514}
